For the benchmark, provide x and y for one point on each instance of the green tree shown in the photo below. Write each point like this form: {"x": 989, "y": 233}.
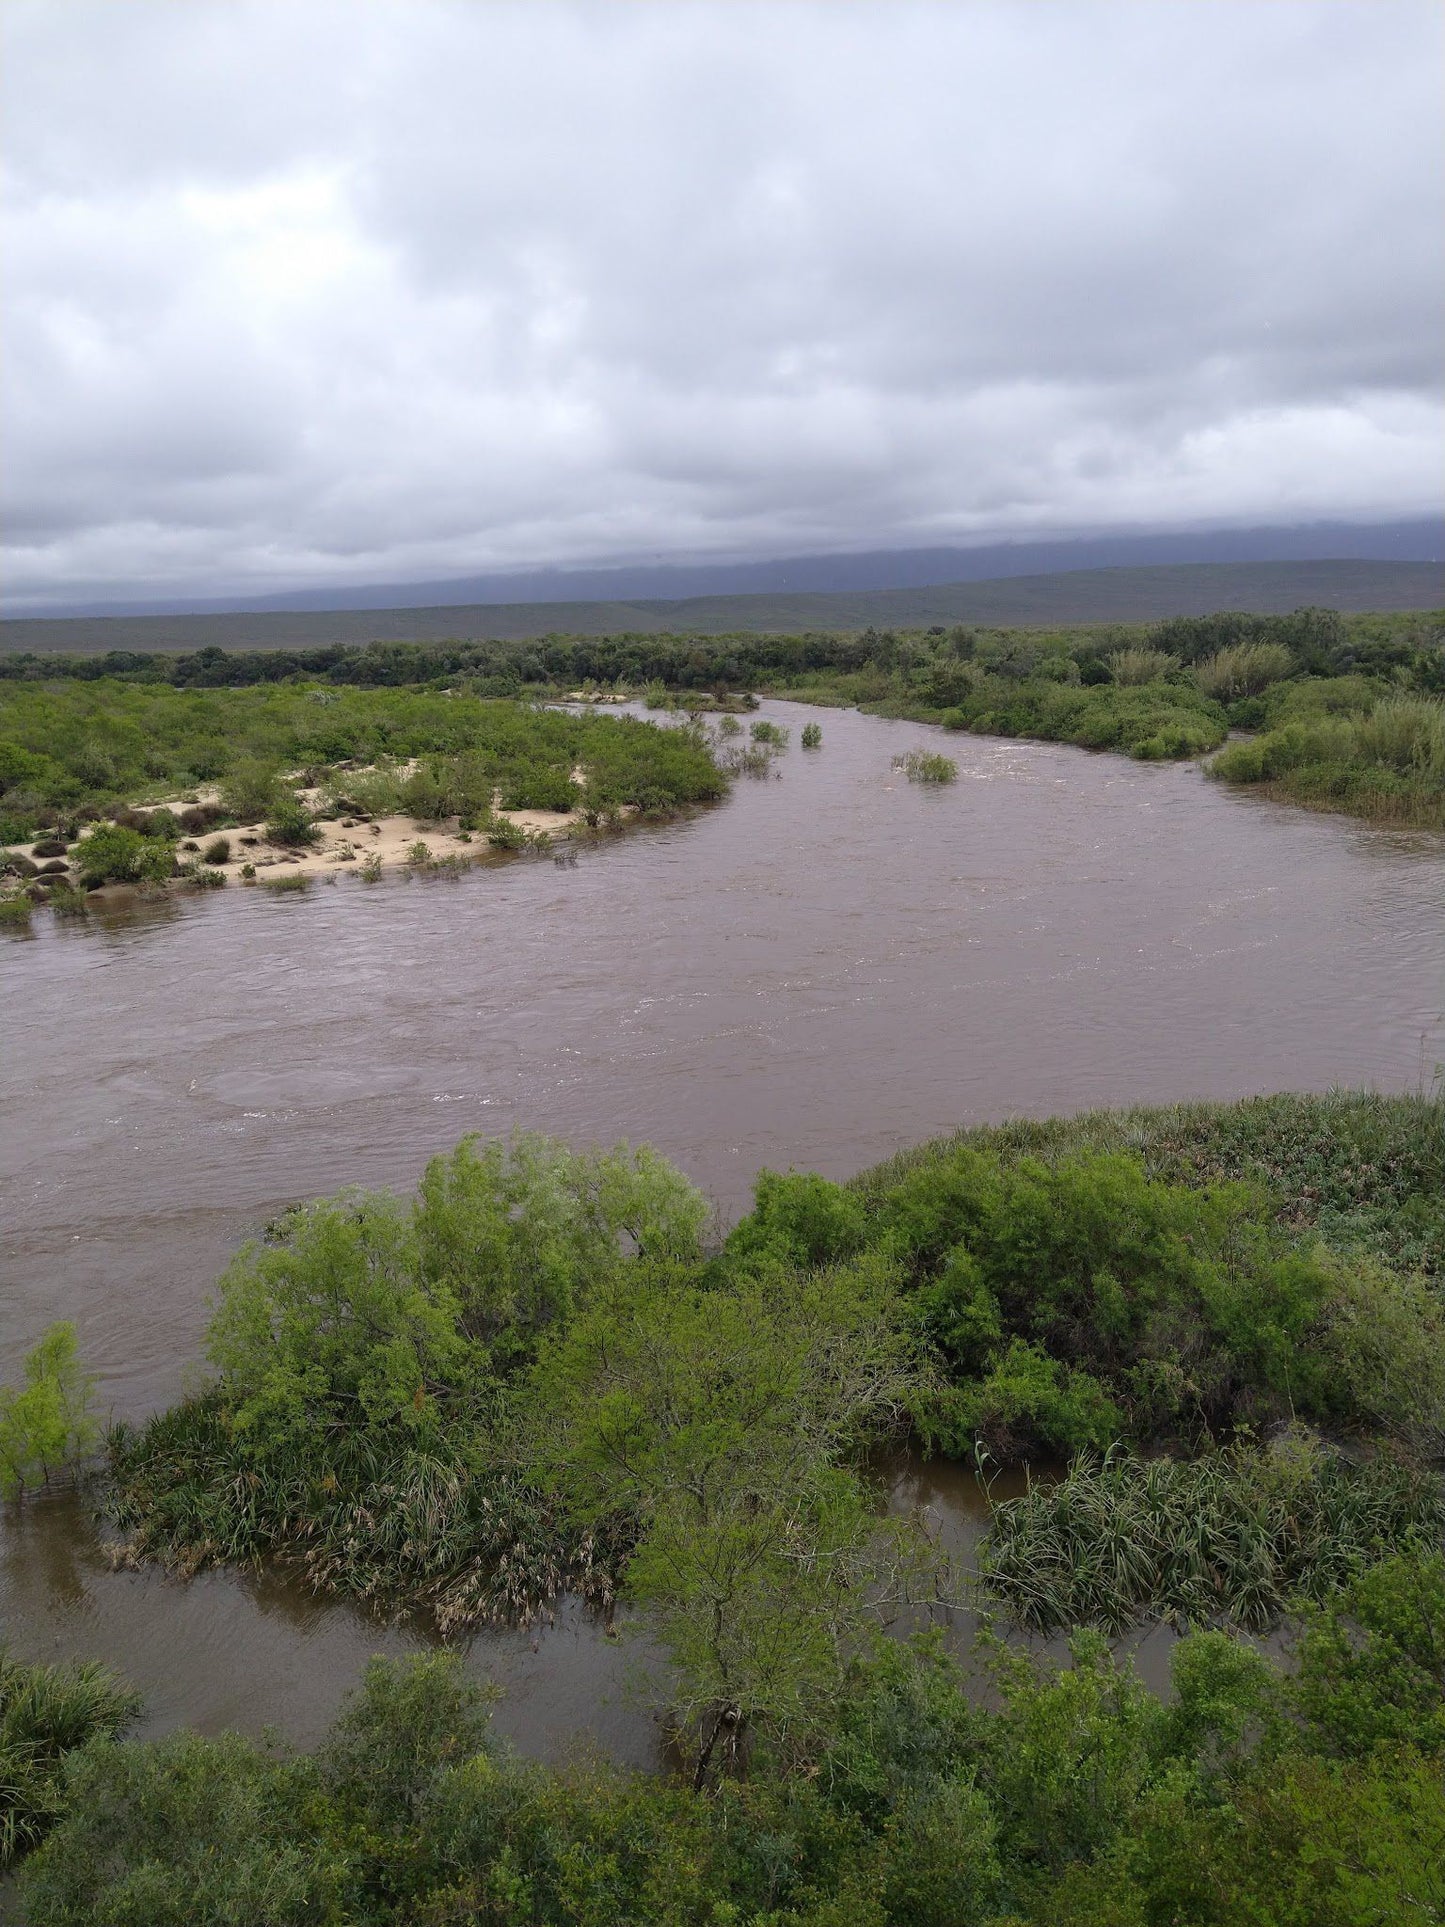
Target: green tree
{"x": 719, "y": 1425}
{"x": 46, "y": 1424}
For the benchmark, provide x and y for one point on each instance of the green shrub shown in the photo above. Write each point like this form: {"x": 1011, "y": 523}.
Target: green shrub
{"x": 812, "y": 737}
{"x": 252, "y": 790}
{"x": 290, "y": 824}
{"x": 113, "y": 854}
{"x": 217, "y": 851}
{"x": 504, "y": 834}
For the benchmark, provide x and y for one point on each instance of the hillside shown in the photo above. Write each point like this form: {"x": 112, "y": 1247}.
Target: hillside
{"x": 1084, "y": 595}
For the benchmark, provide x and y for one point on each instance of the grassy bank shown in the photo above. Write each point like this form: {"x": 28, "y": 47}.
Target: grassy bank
{"x": 1347, "y": 746}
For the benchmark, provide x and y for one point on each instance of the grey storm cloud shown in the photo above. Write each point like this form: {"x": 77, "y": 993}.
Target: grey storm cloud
{"x": 301, "y": 293}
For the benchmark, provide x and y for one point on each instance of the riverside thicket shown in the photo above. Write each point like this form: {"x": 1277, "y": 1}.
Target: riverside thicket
{"x": 541, "y": 1373}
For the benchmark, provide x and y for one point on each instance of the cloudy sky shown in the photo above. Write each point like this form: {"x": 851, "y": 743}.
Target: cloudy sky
{"x": 299, "y": 294}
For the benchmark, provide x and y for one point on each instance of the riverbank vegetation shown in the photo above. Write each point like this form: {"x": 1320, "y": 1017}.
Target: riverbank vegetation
{"x": 1163, "y": 690}
{"x": 47, "y": 1713}
{"x": 71, "y": 752}
{"x": 543, "y": 1373}
{"x": 1302, "y": 1796}
{"x": 1344, "y": 746}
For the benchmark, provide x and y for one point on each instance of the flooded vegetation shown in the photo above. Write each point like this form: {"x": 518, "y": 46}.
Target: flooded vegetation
{"x": 642, "y": 1436}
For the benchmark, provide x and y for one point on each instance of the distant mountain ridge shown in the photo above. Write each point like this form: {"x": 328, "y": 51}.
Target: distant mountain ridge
{"x": 1419, "y": 540}
{"x": 1120, "y": 595}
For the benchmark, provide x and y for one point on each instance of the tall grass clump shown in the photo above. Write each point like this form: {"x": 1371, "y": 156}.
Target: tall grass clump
{"x": 1231, "y": 1538}
{"x": 1243, "y": 669}
{"x": 1132, "y": 667}
{"x": 47, "y": 1712}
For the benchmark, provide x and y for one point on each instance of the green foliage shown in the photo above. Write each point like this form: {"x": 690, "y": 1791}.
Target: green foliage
{"x": 217, "y": 851}
{"x": 468, "y": 749}
{"x": 333, "y": 1318}
{"x": 46, "y": 1712}
{"x": 923, "y": 766}
{"x": 112, "y": 854}
{"x": 362, "y": 1353}
{"x": 812, "y": 736}
{"x": 1387, "y": 763}
{"x": 187, "y": 1832}
{"x": 290, "y": 823}
{"x": 769, "y": 735}
{"x": 718, "y": 1423}
{"x": 1064, "y": 1794}
{"x": 46, "y": 1425}
{"x": 1371, "y": 1667}
{"x": 1231, "y": 1537}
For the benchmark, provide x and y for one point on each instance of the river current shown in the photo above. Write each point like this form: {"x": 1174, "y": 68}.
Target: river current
{"x": 828, "y": 966}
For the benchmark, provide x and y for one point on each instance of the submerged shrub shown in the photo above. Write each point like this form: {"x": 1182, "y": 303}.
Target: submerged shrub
{"x": 812, "y": 737}
{"x": 46, "y": 1425}
{"x": 924, "y": 766}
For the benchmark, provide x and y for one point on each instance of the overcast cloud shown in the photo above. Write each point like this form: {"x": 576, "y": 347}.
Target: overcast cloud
{"x": 304, "y": 293}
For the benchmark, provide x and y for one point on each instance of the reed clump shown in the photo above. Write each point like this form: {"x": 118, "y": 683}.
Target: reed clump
{"x": 1233, "y": 1538}
{"x": 1245, "y": 669}
{"x": 47, "y": 1712}
{"x": 927, "y": 766}
{"x": 1132, "y": 667}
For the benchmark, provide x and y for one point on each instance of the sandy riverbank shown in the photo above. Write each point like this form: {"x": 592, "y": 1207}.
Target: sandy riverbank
{"x": 348, "y": 844}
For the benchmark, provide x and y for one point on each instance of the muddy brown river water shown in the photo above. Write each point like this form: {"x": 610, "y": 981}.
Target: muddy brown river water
{"x": 826, "y": 967}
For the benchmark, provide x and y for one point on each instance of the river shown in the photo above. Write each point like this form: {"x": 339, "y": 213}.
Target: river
{"x": 830, "y": 965}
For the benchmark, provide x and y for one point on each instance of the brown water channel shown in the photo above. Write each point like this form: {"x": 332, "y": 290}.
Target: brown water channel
{"x": 824, "y": 968}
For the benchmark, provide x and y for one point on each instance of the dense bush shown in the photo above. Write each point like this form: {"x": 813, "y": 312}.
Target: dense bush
{"x": 1387, "y": 763}
{"x": 157, "y": 737}
{"x": 113, "y": 854}
{"x": 1073, "y": 1795}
